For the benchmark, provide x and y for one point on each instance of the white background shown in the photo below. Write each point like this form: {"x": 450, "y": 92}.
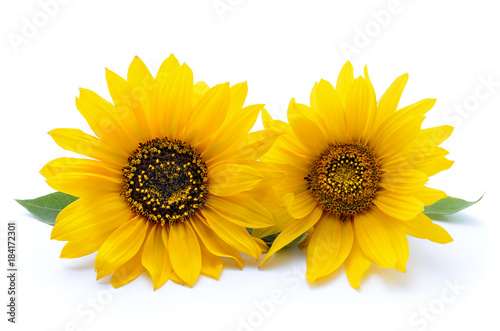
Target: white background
{"x": 449, "y": 48}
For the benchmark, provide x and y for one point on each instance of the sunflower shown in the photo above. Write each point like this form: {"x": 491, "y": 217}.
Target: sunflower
{"x": 355, "y": 175}
{"x": 166, "y": 185}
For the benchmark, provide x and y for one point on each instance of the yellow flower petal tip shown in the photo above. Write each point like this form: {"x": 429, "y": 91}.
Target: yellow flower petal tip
{"x": 310, "y": 278}
{"x": 355, "y": 171}
{"x": 101, "y": 275}
{"x": 168, "y": 182}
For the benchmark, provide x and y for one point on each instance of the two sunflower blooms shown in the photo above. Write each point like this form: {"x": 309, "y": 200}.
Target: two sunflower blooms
{"x": 173, "y": 182}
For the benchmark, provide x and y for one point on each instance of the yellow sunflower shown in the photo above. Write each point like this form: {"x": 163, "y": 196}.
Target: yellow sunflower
{"x": 167, "y": 185}
{"x": 355, "y": 175}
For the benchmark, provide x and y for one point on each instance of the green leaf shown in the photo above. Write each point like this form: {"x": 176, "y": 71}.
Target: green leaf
{"x": 448, "y": 206}
{"x": 47, "y": 207}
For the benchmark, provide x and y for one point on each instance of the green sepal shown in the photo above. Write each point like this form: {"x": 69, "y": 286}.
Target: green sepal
{"x": 448, "y": 206}
{"x": 47, "y": 207}
{"x": 270, "y": 239}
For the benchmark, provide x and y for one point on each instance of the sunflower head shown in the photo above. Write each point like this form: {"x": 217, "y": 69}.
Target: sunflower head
{"x": 169, "y": 179}
{"x": 355, "y": 174}
{"x": 344, "y": 179}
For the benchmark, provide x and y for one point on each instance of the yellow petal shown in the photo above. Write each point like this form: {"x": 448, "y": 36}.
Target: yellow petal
{"x": 231, "y": 178}
{"x": 374, "y": 240}
{"x": 234, "y": 235}
{"x": 305, "y": 129}
{"x": 299, "y": 205}
{"x": 388, "y": 103}
{"x": 398, "y": 239}
{"x": 215, "y": 244}
{"x": 270, "y": 124}
{"x": 256, "y": 144}
{"x": 84, "y": 185}
{"x": 184, "y": 252}
{"x": 138, "y": 75}
{"x": 211, "y": 265}
{"x": 272, "y": 174}
{"x": 329, "y": 246}
{"x": 292, "y": 183}
{"x": 157, "y": 112}
{"x": 238, "y": 95}
{"x": 405, "y": 125}
{"x": 72, "y": 164}
{"x": 286, "y": 138}
{"x": 356, "y": 265}
{"x": 393, "y": 138}
{"x": 174, "y": 102}
{"x": 422, "y": 227}
{"x": 167, "y": 68}
{"x": 120, "y": 246}
{"x": 208, "y": 114}
{"x": 282, "y": 218}
{"x": 431, "y": 137}
{"x": 129, "y": 271}
{"x": 199, "y": 90}
{"x": 293, "y": 231}
{"x": 155, "y": 257}
{"x": 285, "y": 156}
{"x": 359, "y": 109}
{"x": 429, "y": 162}
{"x": 81, "y": 247}
{"x": 403, "y": 182}
{"x": 177, "y": 279}
{"x": 70, "y": 210}
{"x": 77, "y": 141}
{"x": 90, "y": 217}
{"x": 142, "y": 83}
{"x": 424, "y": 149}
{"x": 344, "y": 81}
{"x": 242, "y": 210}
{"x": 419, "y": 108}
{"x": 128, "y": 105}
{"x": 434, "y": 165}
{"x": 105, "y": 121}
{"x": 429, "y": 195}
{"x": 234, "y": 130}
{"x": 402, "y": 207}
{"x": 261, "y": 244}
{"x": 326, "y": 101}
{"x": 372, "y": 105}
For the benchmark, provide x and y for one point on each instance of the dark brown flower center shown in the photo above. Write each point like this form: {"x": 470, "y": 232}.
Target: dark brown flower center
{"x": 165, "y": 181}
{"x": 344, "y": 179}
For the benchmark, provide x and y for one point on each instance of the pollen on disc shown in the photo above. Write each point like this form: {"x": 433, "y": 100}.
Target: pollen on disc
{"x": 344, "y": 179}
{"x": 165, "y": 181}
